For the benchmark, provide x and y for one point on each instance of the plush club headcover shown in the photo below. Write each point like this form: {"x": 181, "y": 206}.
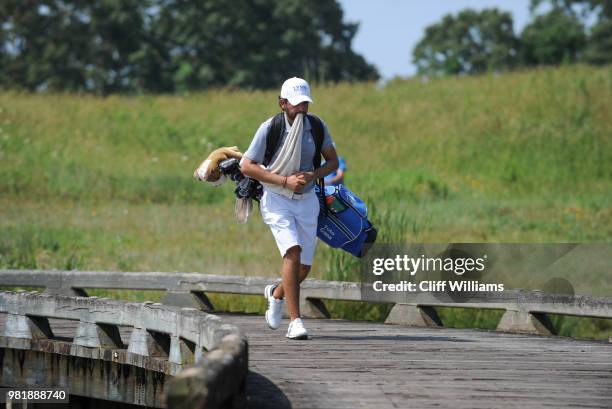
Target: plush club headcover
{"x": 209, "y": 171}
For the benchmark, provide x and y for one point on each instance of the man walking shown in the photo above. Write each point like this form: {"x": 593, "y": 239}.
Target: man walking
{"x": 285, "y": 156}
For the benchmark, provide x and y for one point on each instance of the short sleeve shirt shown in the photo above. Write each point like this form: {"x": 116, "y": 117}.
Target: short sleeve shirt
{"x": 257, "y": 149}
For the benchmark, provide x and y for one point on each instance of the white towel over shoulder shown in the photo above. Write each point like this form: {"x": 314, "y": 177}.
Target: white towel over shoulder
{"x": 288, "y": 160}
{"x": 286, "y": 164}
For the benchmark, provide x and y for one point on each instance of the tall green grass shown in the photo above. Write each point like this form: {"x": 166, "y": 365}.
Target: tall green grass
{"x": 105, "y": 183}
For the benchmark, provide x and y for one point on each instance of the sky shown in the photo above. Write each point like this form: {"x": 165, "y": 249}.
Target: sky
{"x": 389, "y": 29}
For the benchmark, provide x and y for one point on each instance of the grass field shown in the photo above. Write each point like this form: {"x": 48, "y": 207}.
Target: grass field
{"x": 105, "y": 183}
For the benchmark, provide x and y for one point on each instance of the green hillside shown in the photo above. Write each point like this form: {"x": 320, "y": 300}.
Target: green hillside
{"x": 106, "y": 183}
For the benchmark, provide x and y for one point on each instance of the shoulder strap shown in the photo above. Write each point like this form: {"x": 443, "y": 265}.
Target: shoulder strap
{"x": 275, "y": 130}
{"x": 318, "y": 135}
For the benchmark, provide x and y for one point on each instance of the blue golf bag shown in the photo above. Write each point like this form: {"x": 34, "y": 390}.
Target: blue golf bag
{"x": 343, "y": 221}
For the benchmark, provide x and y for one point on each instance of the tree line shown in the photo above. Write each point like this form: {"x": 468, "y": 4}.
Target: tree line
{"x": 473, "y": 42}
{"x": 109, "y": 46}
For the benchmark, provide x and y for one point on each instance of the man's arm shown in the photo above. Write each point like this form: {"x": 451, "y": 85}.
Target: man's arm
{"x": 253, "y": 170}
{"x": 339, "y": 175}
{"x": 331, "y": 164}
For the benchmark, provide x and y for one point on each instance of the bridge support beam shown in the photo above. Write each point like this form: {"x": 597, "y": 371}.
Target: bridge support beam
{"x": 413, "y": 315}
{"x": 27, "y": 327}
{"x": 96, "y": 335}
{"x": 313, "y": 308}
{"x": 69, "y": 291}
{"x": 191, "y": 299}
{"x": 182, "y": 352}
{"x": 525, "y": 323}
{"x": 16, "y": 326}
{"x": 310, "y": 308}
{"x": 148, "y": 343}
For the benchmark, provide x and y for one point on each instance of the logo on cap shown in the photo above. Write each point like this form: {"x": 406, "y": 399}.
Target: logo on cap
{"x": 296, "y": 90}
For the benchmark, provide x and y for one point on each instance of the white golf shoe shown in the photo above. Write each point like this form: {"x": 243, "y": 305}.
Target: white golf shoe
{"x": 274, "y": 313}
{"x": 296, "y": 330}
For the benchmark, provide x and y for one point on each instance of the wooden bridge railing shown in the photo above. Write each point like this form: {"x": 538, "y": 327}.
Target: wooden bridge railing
{"x": 163, "y": 340}
{"x": 525, "y": 311}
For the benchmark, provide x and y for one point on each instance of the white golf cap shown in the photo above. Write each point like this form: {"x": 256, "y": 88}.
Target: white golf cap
{"x": 296, "y": 90}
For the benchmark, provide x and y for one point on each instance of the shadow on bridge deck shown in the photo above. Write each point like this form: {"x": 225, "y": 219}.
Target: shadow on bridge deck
{"x": 262, "y": 393}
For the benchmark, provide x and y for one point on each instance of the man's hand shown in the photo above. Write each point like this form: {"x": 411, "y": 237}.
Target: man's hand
{"x": 296, "y": 182}
{"x": 308, "y": 176}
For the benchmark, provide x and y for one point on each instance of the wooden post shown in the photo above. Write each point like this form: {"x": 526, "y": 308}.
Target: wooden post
{"x": 149, "y": 343}
{"x": 16, "y": 326}
{"x": 192, "y": 299}
{"x": 96, "y": 335}
{"x": 313, "y": 308}
{"x": 69, "y": 291}
{"x": 525, "y": 322}
{"x": 182, "y": 352}
{"x": 413, "y": 315}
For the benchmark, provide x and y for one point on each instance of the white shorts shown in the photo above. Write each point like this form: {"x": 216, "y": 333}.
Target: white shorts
{"x": 293, "y": 222}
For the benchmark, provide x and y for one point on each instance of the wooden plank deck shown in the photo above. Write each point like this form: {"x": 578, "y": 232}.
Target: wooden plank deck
{"x": 359, "y": 364}
{"x": 367, "y": 365}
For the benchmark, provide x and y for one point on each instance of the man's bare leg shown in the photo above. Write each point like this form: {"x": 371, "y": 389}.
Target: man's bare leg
{"x": 279, "y": 291}
{"x": 291, "y": 282}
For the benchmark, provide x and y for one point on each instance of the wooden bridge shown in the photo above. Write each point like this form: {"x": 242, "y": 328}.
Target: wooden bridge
{"x": 180, "y": 356}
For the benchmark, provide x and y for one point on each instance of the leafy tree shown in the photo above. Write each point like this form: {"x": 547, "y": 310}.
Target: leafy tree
{"x": 168, "y": 45}
{"x": 471, "y": 42}
{"x": 597, "y": 45}
{"x": 552, "y": 38}
{"x": 73, "y": 46}
{"x": 41, "y": 41}
{"x": 258, "y": 43}
{"x": 602, "y": 8}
